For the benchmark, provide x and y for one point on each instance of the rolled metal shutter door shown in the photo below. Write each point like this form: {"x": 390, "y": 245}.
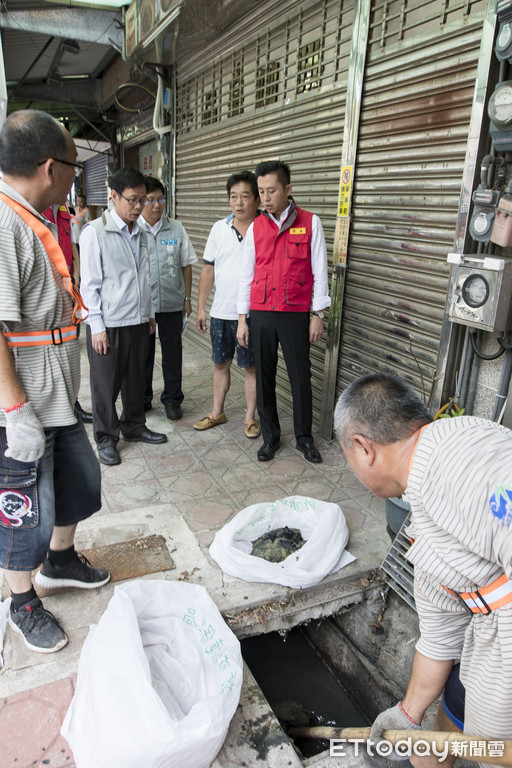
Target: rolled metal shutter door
{"x": 96, "y": 176}
{"x": 416, "y": 107}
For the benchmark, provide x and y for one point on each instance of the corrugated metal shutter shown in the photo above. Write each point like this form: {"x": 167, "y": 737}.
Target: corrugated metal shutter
{"x": 418, "y": 93}
{"x": 96, "y": 175}
{"x": 278, "y": 94}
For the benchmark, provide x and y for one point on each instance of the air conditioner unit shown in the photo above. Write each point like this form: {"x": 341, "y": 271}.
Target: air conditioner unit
{"x": 166, "y": 6}
{"x": 146, "y": 18}
{"x": 164, "y": 13}
{"x": 131, "y": 37}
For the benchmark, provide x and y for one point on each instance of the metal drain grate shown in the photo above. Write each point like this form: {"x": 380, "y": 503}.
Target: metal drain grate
{"x": 399, "y": 570}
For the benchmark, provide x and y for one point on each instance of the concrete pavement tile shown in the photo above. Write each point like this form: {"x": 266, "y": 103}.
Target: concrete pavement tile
{"x": 44, "y": 723}
{"x": 23, "y": 668}
{"x": 211, "y": 513}
{"x": 237, "y": 478}
{"x": 355, "y": 516}
{"x": 318, "y": 489}
{"x": 225, "y": 454}
{"x": 44, "y": 708}
{"x": 57, "y": 755}
{"x": 280, "y": 466}
{"x": 268, "y": 492}
{"x": 121, "y": 497}
{"x": 182, "y": 461}
{"x": 58, "y": 694}
{"x": 193, "y": 485}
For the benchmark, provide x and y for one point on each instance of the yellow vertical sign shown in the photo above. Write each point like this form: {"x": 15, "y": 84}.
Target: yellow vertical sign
{"x": 345, "y": 190}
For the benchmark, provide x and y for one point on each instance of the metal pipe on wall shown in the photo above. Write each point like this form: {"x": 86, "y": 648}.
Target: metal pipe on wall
{"x": 360, "y": 29}
{"x": 475, "y": 366}
{"x": 506, "y": 375}
{"x": 465, "y": 370}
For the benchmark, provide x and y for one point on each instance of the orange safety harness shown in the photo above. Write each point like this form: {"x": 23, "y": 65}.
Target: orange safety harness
{"x": 486, "y": 599}
{"x": 55, "y": 336}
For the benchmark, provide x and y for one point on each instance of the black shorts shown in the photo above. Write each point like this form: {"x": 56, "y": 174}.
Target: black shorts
{"x": 454, "y": 696}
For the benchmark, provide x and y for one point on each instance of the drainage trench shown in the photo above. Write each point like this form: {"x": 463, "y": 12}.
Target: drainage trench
{"x": 341, "y": 670}
{"x": 299, "y": 686}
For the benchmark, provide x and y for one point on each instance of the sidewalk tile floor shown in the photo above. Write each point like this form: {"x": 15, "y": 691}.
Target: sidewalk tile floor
{"x": 209, "y": 476}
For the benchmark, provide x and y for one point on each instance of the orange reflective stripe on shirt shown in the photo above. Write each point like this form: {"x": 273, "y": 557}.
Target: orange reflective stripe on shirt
{"x": 54, "y": 252}
{"x": 55, "y": 337}
{"x": 486, "y": 599}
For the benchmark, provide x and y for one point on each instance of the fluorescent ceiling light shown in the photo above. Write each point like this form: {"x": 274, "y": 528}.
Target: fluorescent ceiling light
{"x": 93, "y": 4}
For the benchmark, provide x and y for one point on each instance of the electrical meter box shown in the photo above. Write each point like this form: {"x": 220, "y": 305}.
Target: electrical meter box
{"x": 481, "y": 292}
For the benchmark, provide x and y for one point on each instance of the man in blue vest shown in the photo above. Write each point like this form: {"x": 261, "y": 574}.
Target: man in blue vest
{"x": 171, "y": 256}
{"x": 115, "y": 284}
{"x": 284, "y": 275}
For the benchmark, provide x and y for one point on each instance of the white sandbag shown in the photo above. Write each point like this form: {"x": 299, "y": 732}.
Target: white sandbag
{"x": 159, "y": 680}
{"x": 321, "y": 523}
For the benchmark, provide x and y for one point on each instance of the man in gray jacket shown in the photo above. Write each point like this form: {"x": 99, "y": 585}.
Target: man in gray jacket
{"x": 171, "y": 256}
{"x": 115, "y": 287}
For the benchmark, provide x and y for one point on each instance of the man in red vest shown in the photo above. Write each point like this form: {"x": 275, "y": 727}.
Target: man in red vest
{"x": 60, "y": 216}
{"x": 285, "y": 265}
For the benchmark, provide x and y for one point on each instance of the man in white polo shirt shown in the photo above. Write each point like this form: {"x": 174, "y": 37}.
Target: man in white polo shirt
{"x": 222, "y": 263}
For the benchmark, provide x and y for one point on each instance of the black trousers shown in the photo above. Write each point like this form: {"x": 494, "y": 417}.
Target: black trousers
{"x": 121, "y": 370}
{"x": 291, "y": 330}
{"x": 169, "y": 333}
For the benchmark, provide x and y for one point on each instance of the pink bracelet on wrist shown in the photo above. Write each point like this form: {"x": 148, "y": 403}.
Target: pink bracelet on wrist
{"x": 402, "y": 710}
{"x": 13, "y": 407}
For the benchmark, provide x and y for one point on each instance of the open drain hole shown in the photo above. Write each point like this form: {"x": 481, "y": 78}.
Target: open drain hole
{"x": 299, "y": 686}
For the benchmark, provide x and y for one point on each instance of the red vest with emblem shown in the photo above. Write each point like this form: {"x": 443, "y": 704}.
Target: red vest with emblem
{"x": 64, "y": 231}
{"x": 283, "y": 278}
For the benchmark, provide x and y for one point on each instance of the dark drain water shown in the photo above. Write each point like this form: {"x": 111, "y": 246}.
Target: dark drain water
{"x": 299, "y": 686}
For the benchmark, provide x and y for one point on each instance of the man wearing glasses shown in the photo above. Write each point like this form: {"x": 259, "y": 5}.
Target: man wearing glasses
{"x": 51, "y": 478}
{"x": 115, "y": 286}
{"x": 171, "y": 256}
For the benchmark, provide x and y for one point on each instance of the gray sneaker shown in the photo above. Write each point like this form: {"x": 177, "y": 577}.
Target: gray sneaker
{"x": 78, "y": 573}
{"x": 39, "y": 628}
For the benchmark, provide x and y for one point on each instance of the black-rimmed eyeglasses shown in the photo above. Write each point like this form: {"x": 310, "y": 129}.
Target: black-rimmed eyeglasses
{"x": 155, "y": 201}
{"x": 76, "y": 165}
{"x": 133, "y": 201}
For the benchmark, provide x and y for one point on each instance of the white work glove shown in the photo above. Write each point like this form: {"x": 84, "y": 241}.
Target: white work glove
{"x": 25, "y": 436}
{"x": 393, "y": 719}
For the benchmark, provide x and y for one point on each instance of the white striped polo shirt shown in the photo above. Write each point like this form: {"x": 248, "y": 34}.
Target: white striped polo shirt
{"x": 32, "y": 298}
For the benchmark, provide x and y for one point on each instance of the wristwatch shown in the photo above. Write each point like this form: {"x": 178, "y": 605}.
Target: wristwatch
{"x": 318, "y": 314}
{"x": 188, "y": 298}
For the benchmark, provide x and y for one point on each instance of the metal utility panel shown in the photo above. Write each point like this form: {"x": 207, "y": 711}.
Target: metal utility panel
{"x": 480, "y": 291}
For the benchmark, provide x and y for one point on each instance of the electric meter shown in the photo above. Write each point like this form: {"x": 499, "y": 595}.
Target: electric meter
{"x": 499, "y": 109}
{"x": 503, "y": 48}
{"x": 480, "y": 290}
{"x": 475, "y": 290}
{"x": 484, "y": 211}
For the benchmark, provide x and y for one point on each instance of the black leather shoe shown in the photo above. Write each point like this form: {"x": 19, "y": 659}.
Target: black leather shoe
{"x": 146, "y": 436}
{"x": 173, "y": 411}
{"x": 267, "y": 450}
{"x": 310, "y": 452}
{"x": 81, "y": 414}
{"x": 108, "y": 455}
